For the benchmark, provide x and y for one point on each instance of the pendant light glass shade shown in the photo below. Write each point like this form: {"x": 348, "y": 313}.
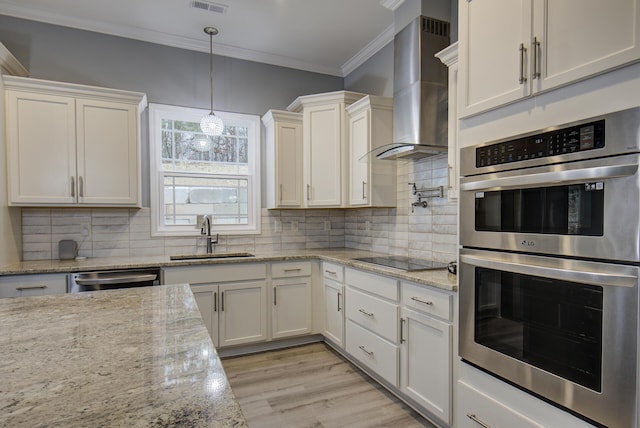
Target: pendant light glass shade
{"x": 211, "y": 124}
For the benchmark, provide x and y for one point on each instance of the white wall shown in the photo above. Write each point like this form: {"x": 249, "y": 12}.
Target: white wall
{"x": 10, "y": 220}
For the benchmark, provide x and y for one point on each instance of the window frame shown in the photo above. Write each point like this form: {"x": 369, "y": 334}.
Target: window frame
{"x": 157, "y": 112}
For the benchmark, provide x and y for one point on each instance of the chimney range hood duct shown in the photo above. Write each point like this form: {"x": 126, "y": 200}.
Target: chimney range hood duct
{"x": 420, "y": 94}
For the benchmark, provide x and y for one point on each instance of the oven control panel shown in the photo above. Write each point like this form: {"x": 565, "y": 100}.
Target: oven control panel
{"x": 573, "y": 139}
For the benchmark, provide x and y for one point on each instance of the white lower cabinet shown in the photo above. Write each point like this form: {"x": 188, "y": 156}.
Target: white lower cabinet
{"x": 333, "y": 303}
{"x": 32, "y": 285}
{"x": 371, "y": 304}
{"x": 232, "y": 299}
{"x": 476, "y": 409}
{"x": 425, "y": 366}
{"x": 291, "y": 313}
{"x": 243, "y": 313}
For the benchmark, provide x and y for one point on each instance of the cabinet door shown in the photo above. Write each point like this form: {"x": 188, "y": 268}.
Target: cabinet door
{"x": 359, "y": 137}
{"x": 32, "y": 285}
{"x": 579, "y": 38}
{"x": 289, "y": 164}
{"x": 206, "y": 296}
{"x": 243, "y": 313}
{"x": 322, "y": 128}
{"x": 291, "y": 304}
{"x": 333, "y": 312}
{"x": 107, "y": 153}
{"x": 41, "y": 148}
{"x": 475, "y": 409}
{"x": 491, "y": 62}
{"x": 426, "y": 362}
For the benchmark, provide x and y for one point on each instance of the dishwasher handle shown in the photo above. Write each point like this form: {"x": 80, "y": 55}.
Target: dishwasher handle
{"x": 124, "y": 279}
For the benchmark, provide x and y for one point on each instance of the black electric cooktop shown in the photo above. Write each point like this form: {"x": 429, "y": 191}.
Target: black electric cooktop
{"x": 404, "y": 263}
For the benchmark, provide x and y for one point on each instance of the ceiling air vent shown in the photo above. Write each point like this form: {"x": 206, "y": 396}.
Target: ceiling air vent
{"x": 209, "y": 6}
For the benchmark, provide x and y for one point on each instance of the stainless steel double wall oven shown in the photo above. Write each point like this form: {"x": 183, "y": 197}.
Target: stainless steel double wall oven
{"x": 550, "y": 229}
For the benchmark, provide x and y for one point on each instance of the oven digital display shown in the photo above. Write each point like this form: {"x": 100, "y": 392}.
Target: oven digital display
{"x": 553, "y": 143}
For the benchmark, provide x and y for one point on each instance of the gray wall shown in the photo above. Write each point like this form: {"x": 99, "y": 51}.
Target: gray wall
{"x": 375, "y": 76}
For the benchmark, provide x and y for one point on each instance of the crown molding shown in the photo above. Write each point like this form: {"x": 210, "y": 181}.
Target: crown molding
{"x": 165, "y": 39}
{"x": 391, "y": 4}
{"x": 9, "y": 64}
{"x": 448, "y": 55}
{"x": 368, "y": 51}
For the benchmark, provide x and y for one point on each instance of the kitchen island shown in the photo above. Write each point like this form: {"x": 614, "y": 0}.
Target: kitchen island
{"x": 137, "y": 357}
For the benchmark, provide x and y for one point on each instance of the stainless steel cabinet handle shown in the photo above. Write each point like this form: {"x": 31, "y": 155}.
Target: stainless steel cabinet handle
{"x": 402, "y": 330}
{"x": 475, "y": 419}
{"x": 339, "y": 296}
{"x": 523, "y": 52}
{"x": 449, "y": 179}
{"x": 536, "y": 52}
{"x": 426, "y": 302}
{"x": 280, "y": 192}
{"x": 80, "y": 186}
{"x": 215, "y": 302}
{"x": 308, "y": 190}
{"x": 330, "y": 272}
{"x": 369, "y": 314}
{"x": 31, "y": 287}
{"x": 364, "y": 185}
{"x": 275, "y": 301}
{"x": 73, "y": 187}
{"x": 369, "y": 353}
{"x": 293, "y": 270}
{"x": 222, "y": 302}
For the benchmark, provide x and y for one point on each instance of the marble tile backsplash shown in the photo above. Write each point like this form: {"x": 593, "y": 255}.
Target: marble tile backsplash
{"x": 429, "y": 233}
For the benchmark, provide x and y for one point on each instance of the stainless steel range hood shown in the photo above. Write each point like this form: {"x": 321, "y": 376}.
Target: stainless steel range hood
{"x": 419, "y": 92}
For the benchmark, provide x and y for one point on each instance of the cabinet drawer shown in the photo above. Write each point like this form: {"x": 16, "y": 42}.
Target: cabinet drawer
{"x": 373, "y": 283}
{"x": 428, "y": 300}
{"x": 373, "y": 351}
{"x": 32, "y": 285}
{"x": 333, "y": 271}
{"x": 376, "y": 314}
{"x": 475, "y": 408}
{"x": 290, "y": 269}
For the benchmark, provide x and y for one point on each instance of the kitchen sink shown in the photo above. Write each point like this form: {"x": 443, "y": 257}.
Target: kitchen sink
{"x": 210, "y": 256}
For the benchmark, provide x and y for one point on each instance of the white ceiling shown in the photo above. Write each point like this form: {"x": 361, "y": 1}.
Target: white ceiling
{"x": 325, "y": 36}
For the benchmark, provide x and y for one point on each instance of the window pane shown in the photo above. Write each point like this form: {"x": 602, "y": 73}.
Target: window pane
{"x": 186, "y": 197}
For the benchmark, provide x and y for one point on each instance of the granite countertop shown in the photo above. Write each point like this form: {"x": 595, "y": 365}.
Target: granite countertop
{"x": 345, "y": 256}
{"x": 137, "y": 357}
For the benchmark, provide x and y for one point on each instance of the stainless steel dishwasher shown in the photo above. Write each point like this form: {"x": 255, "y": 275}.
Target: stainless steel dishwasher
{"x": 112, "y": 279}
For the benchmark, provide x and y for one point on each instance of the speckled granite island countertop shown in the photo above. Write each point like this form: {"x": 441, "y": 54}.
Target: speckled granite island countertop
{"x": 138, "y": 357}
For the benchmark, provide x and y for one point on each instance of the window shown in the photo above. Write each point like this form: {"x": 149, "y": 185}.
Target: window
{"x": 194, "y": 174}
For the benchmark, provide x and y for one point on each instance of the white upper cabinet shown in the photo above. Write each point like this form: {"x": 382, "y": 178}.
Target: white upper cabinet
{"x": 371, "y": 183}
{"x": 510, "y": 49}
{"x": 325, "y": 144}
{"x": 284, "y": 159}
{"x": 72, "y": 144}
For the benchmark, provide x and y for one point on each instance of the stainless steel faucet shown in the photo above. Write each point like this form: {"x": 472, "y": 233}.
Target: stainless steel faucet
{"x": 205, "y": 229}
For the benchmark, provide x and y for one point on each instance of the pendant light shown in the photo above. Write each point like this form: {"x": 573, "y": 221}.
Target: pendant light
{"x": 211, "y": 124}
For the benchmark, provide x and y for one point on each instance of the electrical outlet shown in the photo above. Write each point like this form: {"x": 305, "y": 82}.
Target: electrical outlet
{"x": 85, "y": 230}
{"x": 277, "y": 226}
{"x": 294, "y": 226}
{"x": 367, "y": 225}
{"x": 327, "y": 225}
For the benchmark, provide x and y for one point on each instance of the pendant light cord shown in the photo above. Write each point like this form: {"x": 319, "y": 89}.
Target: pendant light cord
{"x": 211, "y": 68}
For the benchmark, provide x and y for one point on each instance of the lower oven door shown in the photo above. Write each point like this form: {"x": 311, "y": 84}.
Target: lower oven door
{"x": 565, "y": 330}
{"x": 584, "y": 208}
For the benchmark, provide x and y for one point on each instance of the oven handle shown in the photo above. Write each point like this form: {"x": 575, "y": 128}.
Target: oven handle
{"x": 585, "y": 277}
{"x": 551, "y": 178}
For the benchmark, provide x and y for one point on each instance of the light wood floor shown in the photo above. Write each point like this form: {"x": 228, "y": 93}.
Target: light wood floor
{"x": 312, "y": 386}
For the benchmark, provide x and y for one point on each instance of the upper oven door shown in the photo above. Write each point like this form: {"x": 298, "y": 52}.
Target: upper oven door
{"x": 584, "y": 208}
